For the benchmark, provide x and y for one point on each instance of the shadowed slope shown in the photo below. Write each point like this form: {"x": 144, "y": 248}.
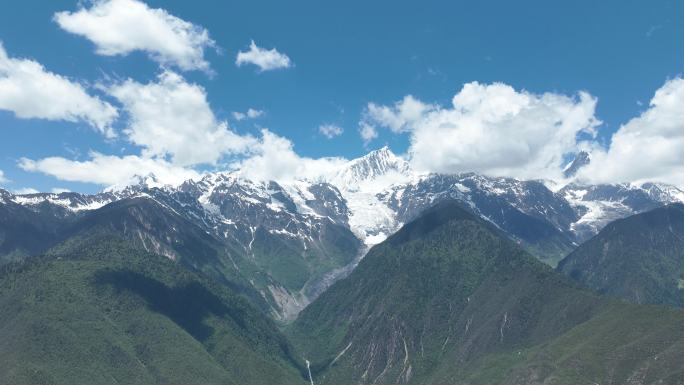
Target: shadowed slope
{"x": 108, "y": 313}
{"x": 639, "y": 258}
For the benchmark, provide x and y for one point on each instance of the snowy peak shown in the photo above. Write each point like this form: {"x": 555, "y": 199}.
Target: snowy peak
{"x": 295, "y": 197}
{"x": 597, "y": 205}
{"x": 70, "y": 201}
{"x": 149, "y": 181}
{"x": 360, "y": 181}
{"x": 663, "y": 192}
{"x": 581, "y": 159}
{"x": 378, "y": 165}
{"x": 5, "y": 196}
{"x": 137, "y": 183}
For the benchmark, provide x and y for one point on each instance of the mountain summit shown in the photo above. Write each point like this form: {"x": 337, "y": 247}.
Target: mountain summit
{"x": 380, "y": 165}
{"x": 581, "y": 159}
{"x": 320, "y": 229}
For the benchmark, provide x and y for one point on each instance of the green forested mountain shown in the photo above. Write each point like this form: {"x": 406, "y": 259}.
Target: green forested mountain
{"x": 278, "y": 262}
{"x": 98, "y": 311}
{"x": 25, "y": 232}
{"x": 148, "y": 225}
{"x": 639, "y": 258}
{"x": 448, "y": 300}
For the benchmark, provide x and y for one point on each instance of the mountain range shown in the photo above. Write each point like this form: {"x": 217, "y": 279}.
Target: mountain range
{"x": 140, "y": 291}
{"x": 449, "y": 299}
{"x": 231, "y": 227}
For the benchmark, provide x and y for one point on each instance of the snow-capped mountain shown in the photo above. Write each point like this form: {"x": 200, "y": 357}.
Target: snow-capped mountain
{"x": 581, "y": 159}
{"x": 597, "y": 205}
{"x": 376, "y": 169}
{"x": 289, "y": 240}
{"x": 362, "y": 183}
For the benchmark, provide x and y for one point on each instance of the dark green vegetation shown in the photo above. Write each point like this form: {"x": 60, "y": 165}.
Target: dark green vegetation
{"x": 274, "y": 271}
{"x": 147, "y": 225}
{"x": 639, "y": 258}
{"x": 97, "y": 310}
{"x": 25, "y": 232}
{"x": 537, "y": 236}
{"x": 134, "y": 294}
{"x": 449, "y": 300}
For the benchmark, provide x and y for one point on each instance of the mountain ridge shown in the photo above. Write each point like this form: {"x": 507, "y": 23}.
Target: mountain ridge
{"x": 639, "y": 258}
{"x": 96, "y": 310}
{"x": 447, "y": 300}
{"x": 324, "y": 227}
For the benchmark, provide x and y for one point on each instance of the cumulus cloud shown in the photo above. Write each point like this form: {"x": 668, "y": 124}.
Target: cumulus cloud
{"x": 172, "y": 117}
{"x": 2, "y": 177}
{"x": 271, "y": 157}
{"x": 108, "y": 170}
{"x": 648, "y": 147}
{"x": 265, "y": 59}
{"x": 59, "y": 190}
{"x": 249, "y": 114}
{"x": 119, "y": 27}
{"x": 276, "y": 159}
{"x": 492, "y": 129}
{"x": 400, "y": 117}
{"x": 31, "y": 92}
{"x": 368, "y": 132}
{"x": 330, "y": 130}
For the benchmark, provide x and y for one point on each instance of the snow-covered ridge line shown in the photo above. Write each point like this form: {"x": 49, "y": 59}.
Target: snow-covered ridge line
{"x": 362, "y": 203}
{"x": 70, "y": 201}
{"x": 373, "y": 195}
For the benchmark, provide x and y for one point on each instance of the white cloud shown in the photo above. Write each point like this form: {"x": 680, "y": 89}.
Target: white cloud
{"x": 253, "y": 114}
{"x": 275, "y": 159}
{"x": 249, "y": 114}
{"x": 31, "y": 92}
{"x": 272, "y": 157}
{"x": 265, "y": 59}
{"x": 2, "y": 177}
{"x": 108, "y": 170}
{"x": 118, "y": 27}
{"x": 173, "y": 118}
{"x": 491, "y": 129}
{"x": 367, "y": 132}
{"x": 59, "y": 190}
{"x": 26, "y": 191}
{"x": 330, "y": 130}
{"x": 648, "y": 147}
{"x": 401, "y": 116}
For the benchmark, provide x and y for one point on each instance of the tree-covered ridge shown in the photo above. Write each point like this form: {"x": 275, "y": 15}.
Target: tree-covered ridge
{"x": 448, "y": 300}
{"x": 639, "y": 258}
{"x": 99, "y": 311}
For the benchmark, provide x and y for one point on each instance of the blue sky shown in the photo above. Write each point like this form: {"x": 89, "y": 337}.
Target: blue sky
{"x": 344, "y": 56}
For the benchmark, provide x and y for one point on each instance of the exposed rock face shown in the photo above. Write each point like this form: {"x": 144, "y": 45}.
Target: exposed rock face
{"x": 291, "y": 240}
